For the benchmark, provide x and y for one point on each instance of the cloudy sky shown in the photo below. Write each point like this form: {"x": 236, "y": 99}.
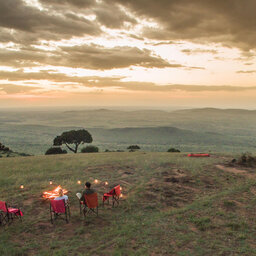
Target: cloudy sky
{"x": 165, "y": 53}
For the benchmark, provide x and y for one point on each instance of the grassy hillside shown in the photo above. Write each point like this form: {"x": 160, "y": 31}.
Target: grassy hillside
{"x": 190, "y": 130}
{"x": 172, "y": 205}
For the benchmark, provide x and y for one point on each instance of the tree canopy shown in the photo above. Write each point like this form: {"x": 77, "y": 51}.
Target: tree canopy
{"x": 73, "y": 137}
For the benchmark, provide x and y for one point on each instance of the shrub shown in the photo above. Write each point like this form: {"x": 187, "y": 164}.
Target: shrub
{"x": 24, "y": 154}
{"x": 55, "y": 151}
{"x": 202, "y": 223}
{"x": 90, "y": 149}
{"x": 3, "y": 148}
{"x": 246, "y": 159}
{"x": 133, "y": 148}
{"x": 173, "y": 150}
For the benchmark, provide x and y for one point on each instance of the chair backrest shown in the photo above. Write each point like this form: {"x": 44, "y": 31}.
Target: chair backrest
{"x": 58, "y": 206}
{"x": 3, "y": 206}
{"x": 91, "y": 200}
{"x": 117, "y": 190}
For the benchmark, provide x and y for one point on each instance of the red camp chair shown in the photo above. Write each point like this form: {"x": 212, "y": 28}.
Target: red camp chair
{"x": 8, "y": 214}
{"x": 57, "y": 208}
{"x": 91, "y": 204}
{"x": 115, "y": 194}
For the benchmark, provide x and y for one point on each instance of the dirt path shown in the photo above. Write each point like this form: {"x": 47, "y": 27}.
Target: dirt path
{"x": 236, "y": 171}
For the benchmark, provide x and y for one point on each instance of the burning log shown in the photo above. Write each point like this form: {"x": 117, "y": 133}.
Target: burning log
{"x": 54, "y": 193}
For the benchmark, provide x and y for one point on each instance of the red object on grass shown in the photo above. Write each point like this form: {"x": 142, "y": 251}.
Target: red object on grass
{"x": 58, "y": 207}
{"x": 198, "y": 155}
{"x": 8, "y": 213}
{"x": 114, "y": 193}
{"x": 91, "y": 204}
{"x": 91, "y": 200}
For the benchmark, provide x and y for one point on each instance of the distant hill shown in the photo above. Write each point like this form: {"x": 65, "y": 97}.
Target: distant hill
{"x": 190, "y": 129}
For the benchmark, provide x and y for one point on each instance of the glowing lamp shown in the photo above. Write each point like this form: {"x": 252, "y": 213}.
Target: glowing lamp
{"x": 106, "y": 183}
{"x": 121, "y": 188}
{"x": 79, "y": 182}
{"x": 21, "y": 186}
{"x": 50, "y": 182}
{"x": 96, "y": 181}
{"x": 121, "y": 195}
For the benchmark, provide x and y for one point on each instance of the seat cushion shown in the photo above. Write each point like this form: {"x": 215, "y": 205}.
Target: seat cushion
{"x": 15, "y": 211}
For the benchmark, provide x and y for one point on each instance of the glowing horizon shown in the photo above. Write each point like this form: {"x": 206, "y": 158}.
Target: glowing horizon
{"x": 89, "y": 53}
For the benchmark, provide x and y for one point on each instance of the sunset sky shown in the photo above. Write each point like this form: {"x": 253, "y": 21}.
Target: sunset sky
{"x": 164, "y": 53}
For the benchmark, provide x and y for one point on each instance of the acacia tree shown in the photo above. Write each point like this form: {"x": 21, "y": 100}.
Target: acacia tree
{"x": 73, "y": 138}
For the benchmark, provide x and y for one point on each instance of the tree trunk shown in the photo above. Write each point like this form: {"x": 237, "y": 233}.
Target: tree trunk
{"x": 76, "y": 147}
{"x": 71, "y": 149}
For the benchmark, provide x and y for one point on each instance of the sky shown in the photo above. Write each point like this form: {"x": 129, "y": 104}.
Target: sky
{"x": 148, "y": 53}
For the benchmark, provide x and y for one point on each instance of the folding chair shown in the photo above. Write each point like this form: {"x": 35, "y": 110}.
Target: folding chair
{"x": 8, "y": 214}
{"x": 58, "y": 208}
{"x": 91, "y": 204}
{"x": 115, "y": 194}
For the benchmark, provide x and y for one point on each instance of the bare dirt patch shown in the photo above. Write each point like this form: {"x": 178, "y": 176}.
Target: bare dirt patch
{"x": 237, "y": 171}
{"x": 172, "y": 188}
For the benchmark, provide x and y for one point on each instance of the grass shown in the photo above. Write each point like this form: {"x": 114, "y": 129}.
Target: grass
{"x": 172, "y": 205}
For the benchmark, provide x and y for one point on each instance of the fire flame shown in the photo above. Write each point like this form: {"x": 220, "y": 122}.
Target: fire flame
{"x": 54, "y": 193}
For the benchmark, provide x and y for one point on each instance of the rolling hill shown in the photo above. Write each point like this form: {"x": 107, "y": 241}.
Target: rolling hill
{"x": 190, "y": 130}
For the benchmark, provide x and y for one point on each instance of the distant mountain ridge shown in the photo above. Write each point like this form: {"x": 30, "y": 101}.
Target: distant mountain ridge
{"x": 208, "y": 128}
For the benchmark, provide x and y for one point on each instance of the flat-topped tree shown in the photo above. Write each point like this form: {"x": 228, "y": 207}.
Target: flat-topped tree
{"x": 73, "y": 137}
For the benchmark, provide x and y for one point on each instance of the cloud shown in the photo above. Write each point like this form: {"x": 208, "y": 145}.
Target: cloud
{"x": 230, "y": 22}
{"x": 96, "y": 57}
{"x": 198, "y": 51}
{"x": 74, "y": 3}
{"x": 24, "y": 57}
{"x": 246, "y": 71}
{"x": 111, "y": 17}
{"x": 134, "y": 86}
{"x": 111, "y": 82}
{"x": 85, "y": 56}
{"x": 165, "y": 43}
{"x": 26, "y": 23}
{"x": 13, "y": 88}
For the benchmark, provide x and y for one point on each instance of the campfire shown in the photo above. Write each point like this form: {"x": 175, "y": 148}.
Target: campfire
{"x": 54, "y": 193}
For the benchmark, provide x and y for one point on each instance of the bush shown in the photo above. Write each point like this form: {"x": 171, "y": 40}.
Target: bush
{"x": 173, "y": 150}
{"x": 90, "y": 149}
{"x": 24, "y": 154}
{"x": 133, "y": 148}
{"x": 202, "y": 223}
{"x": 246, "y": 159}
{"x": 55, "y": 151}
{"x": 3, "y": 148}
